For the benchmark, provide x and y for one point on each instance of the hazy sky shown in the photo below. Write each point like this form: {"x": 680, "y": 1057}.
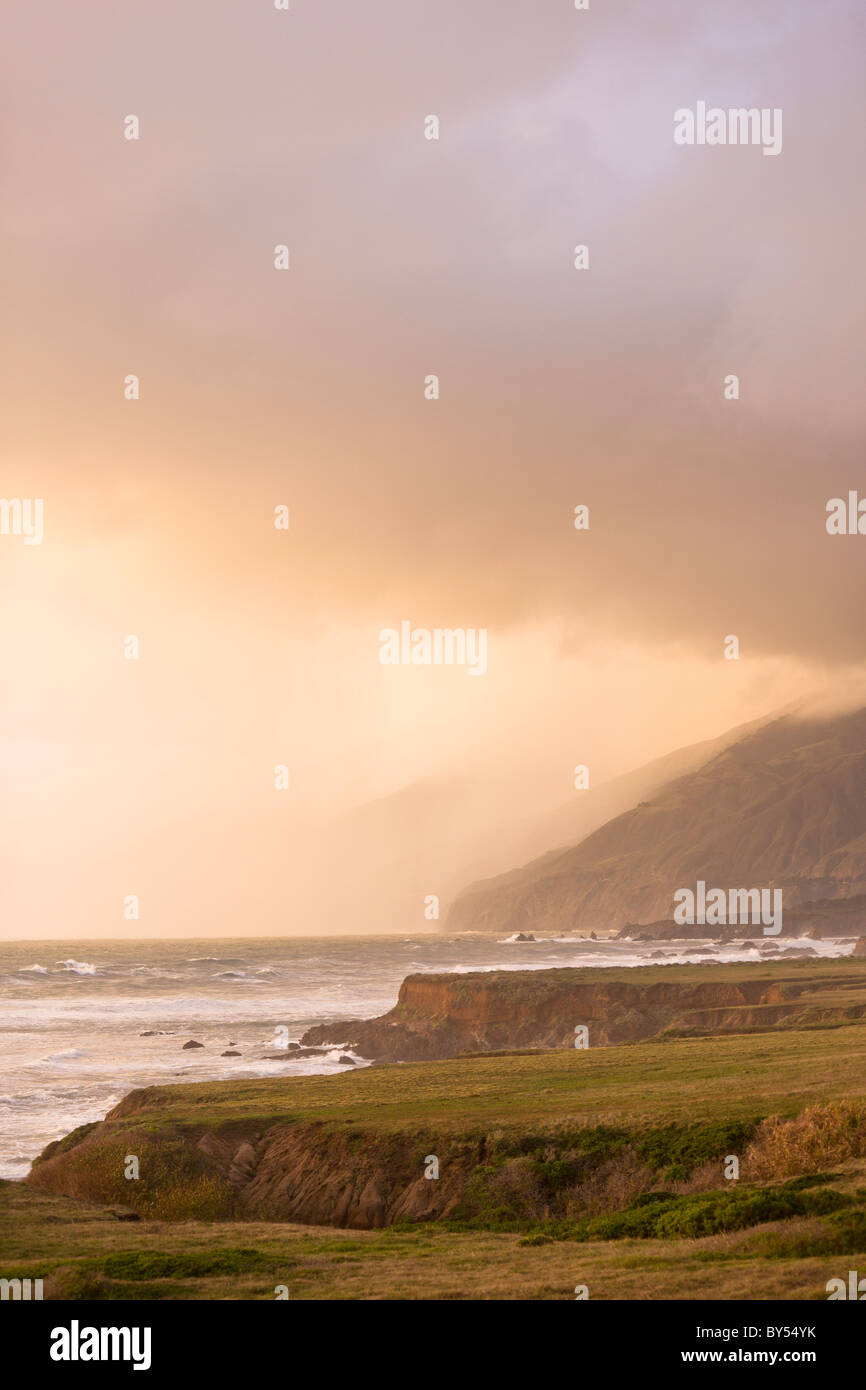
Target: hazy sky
{"x": 305, "y": 387}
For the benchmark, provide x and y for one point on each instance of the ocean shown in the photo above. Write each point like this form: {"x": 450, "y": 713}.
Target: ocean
{"x": 83, "y": 1023}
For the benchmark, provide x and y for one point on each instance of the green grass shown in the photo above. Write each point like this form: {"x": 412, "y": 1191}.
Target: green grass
{"x": 664, "y": 1216}
{"x": 719, "y": 1079}
{"x": 601, "y": 1166}
{"x": 87, "y": 1255}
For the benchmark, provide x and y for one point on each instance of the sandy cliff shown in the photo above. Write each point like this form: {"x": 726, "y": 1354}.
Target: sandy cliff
{"x": 446, "y": 1015}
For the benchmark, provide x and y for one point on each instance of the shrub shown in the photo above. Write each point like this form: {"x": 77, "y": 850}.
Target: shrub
{"x": 821, "y": 1136}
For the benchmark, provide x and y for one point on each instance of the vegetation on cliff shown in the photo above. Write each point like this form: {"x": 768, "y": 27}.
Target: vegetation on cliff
{"x": 519, "y": 1138}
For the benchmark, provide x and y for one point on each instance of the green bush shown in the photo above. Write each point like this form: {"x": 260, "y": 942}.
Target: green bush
{"x": 682, "y": 1148}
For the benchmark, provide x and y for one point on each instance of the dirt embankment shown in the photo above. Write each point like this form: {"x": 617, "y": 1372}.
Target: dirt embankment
{"x": 439, "y": 1016}
{"x": 308, "y": 1172}
{"x": 343, "y": 1174}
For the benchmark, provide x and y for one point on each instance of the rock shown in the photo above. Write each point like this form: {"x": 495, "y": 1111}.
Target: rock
{"x": 243, "y": 1165}
{"x": 296, "y": 1052}
{"x": 592, "y": 936}
{"x": 860, "y": 947}
{"x": 230, "y": 1054}
{"x": 524, "y": 936}
{"x": 188, "y": 1045}
{"x": 345, "y": 1061}
{"x": 372, "y": 1205}
{"x": 125, "y": 1214}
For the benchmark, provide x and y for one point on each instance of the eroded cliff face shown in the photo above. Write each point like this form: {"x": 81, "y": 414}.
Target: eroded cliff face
{"x": 360, "y": 1175}
{"x": 440, "y": 1016}
{"x": 328, "y": 1177}
{"x": 308, "y": 1172}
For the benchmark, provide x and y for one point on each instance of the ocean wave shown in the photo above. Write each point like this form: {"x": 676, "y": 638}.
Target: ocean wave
{"x": 32, "y": 970}
{"x": 77, "y": 967}
{"x": 215, "y": 960}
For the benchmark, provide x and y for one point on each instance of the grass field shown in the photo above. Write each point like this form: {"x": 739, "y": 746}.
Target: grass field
{"x": 87, "y": 1254}
{"x": 603, "y": 1167}
{"x": 710, "y": 1078}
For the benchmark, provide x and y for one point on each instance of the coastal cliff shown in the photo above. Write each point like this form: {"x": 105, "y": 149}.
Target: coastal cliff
{"x": 439, "y": 1016}
{"x": 487, "y": 1139}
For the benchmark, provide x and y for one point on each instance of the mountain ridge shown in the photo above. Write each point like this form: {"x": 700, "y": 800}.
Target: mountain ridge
{"x": 781, "y": 806}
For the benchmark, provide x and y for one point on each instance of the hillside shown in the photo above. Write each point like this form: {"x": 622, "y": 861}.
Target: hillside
{"x": 781, "y": 806}
{"x": 445, "y": 831}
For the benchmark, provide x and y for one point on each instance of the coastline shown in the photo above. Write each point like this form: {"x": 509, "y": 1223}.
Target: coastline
{"x": 620, "y": 1153}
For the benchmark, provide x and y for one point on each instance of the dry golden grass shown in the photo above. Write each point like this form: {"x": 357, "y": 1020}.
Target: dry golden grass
{"x": 821, "y": 1137}
{"x": 69, "y": 1242}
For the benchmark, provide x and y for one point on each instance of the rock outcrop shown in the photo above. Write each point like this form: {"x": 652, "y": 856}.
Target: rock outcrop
{"x": 440, "y": 1016}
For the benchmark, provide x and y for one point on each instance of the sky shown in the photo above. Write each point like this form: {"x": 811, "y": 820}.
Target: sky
{"x": 305, "y": 388}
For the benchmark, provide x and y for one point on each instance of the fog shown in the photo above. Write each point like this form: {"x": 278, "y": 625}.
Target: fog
{"x": 259, "y": 648}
